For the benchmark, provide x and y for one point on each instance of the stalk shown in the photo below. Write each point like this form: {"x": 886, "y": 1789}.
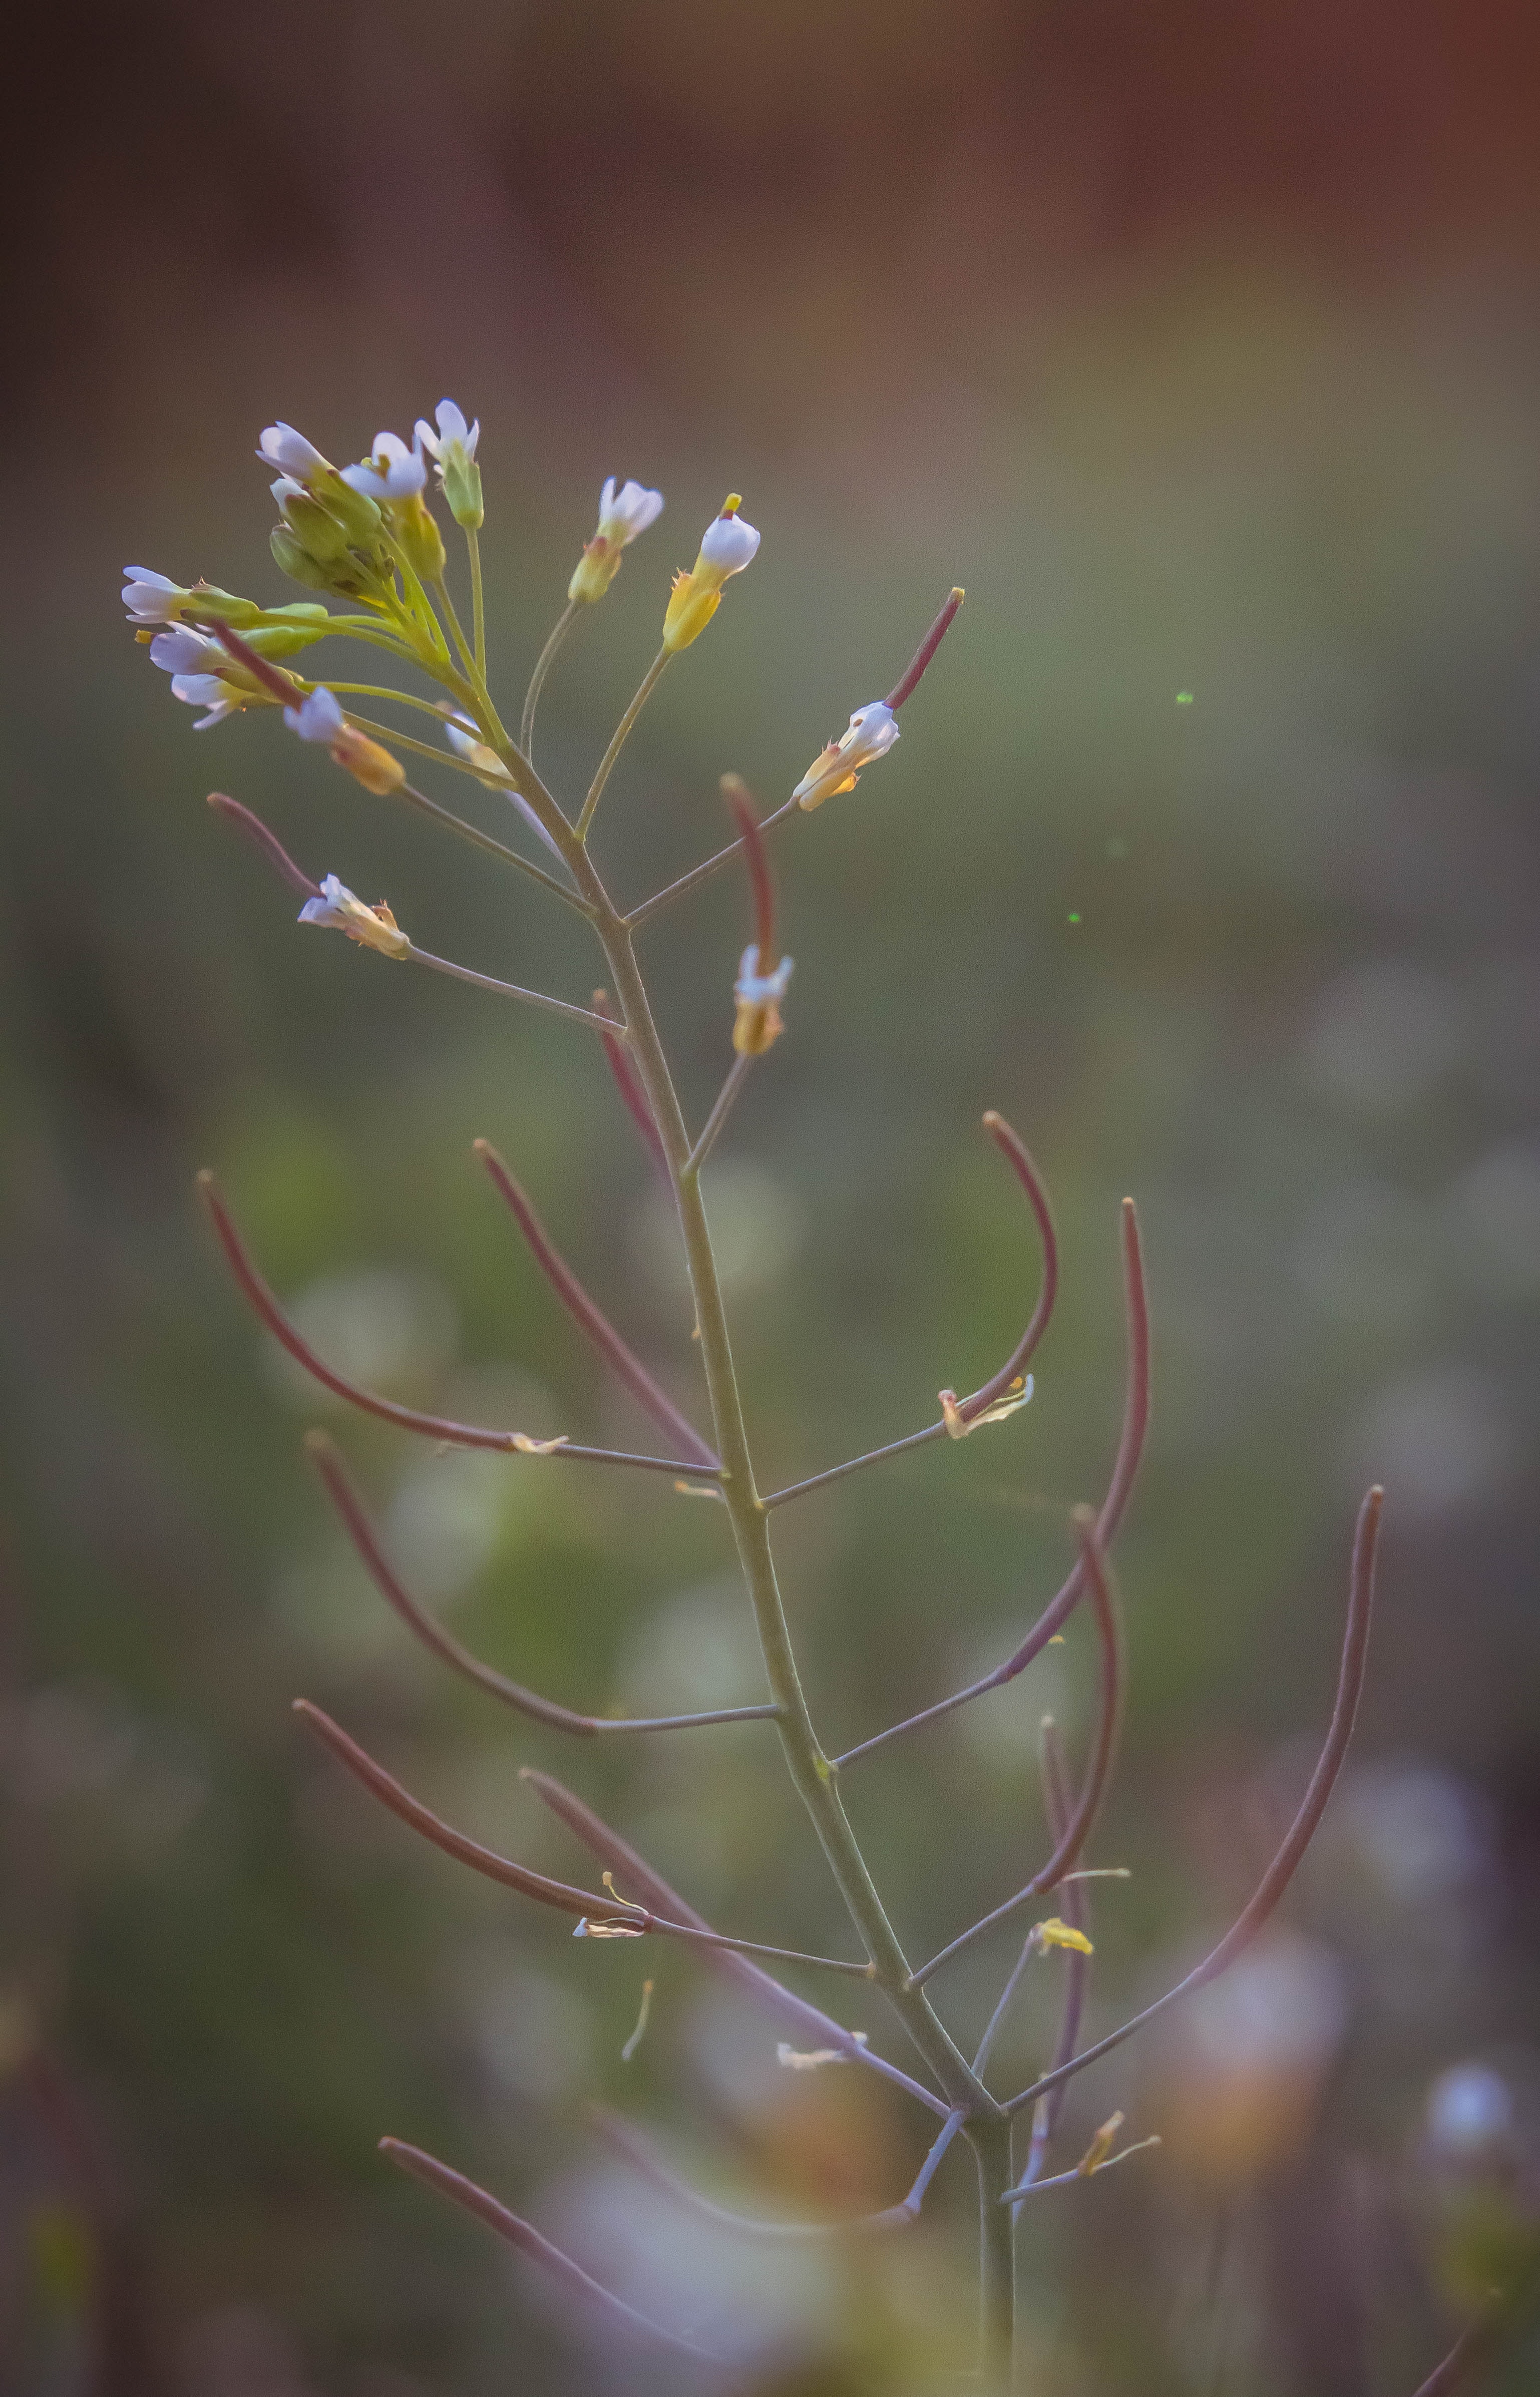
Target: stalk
{"x": 810, "y": 1770}
{"x": 991, "y": 2144}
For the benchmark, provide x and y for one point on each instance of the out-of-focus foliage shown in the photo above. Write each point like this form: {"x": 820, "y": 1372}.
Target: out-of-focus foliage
{"x": 1199, "y": 348}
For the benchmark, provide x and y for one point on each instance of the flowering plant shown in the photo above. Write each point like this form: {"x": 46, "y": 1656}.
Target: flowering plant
{"x": 366, "y": 538}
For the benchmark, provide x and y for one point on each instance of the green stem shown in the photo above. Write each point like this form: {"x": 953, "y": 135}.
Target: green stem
{"x": 379, "y": 691}
{"x": 405, "y": 741}
{"x": 649, "y": 683}
{"x": 479, "y": 605}
{"x": 811, "y": 1771}
{"x": 564, "y": 624}
{"x": 468, "y": 657}
{"x": 991, "y": 2146}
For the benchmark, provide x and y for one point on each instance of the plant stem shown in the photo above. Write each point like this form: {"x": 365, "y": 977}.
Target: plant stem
{"x": 563, "y": 625}
{"x": 478, "y": 603}
{"x": 649, "y": 684}
{"x": 811, "y": 1771}
{"x": 991, "y": 2143}
{"x": 468, "y": 657}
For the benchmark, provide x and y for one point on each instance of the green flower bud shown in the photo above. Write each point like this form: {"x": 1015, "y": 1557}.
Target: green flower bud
{"x": 317, "y": 529}
{"x": 421, "y": 542}
{"x": 292, "y": 558}
{"x": 453, "y": 445}
{"x": 303, "y": 622}
{"x": 462, "y": 478}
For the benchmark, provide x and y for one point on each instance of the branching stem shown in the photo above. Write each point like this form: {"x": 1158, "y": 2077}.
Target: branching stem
{"x": 621, "y": 734}
{"x": 559, "y": 631}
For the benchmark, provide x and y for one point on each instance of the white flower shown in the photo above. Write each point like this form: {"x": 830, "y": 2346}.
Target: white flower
{"x": 391, "y": 471}
{"x": 727, "y": 546}
{"x": 208, "y": 691}
{"x": 291, "y": 453}
{"x": 337, "y": 908}
{"x": 318, "y": 717}
{"x": 458, "y": 475}
{"x": 625, "y": 513}
{"x": 152, "y": 598}
{"x": 451, "y": 431}
{"x": 728, "y": 543}
{"x": 181, "y": 651}
{"x": 870, "y": 734}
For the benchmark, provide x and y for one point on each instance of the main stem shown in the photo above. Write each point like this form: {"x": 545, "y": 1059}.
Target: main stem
{"x": 991, "y": 2144}
{"x": 810, "y": 1770}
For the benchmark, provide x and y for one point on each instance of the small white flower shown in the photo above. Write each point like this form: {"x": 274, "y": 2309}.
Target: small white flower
{"x": 728, "y": 543}
{"x": 451, "y": 430}
{"x": 391, "y": 471}
{"x": 625, "y": 513}
{"x": 208, "y": 691}
{"x": 181, "y": 651}
{"x": 152, "y": 599}
{"x": 870, "y": 734}
{"x": 337, "y": 909}
{"x": 318, "y": 717}
{"x": 291, "y": 453}
{"x": 755, "y": 989}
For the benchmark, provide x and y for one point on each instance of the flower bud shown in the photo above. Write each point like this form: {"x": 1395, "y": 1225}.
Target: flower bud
{"x": 153, "y": 598}
{"x": 291, "y": 558}
{"x": 758, "y": 1026}
{"x": 416, "y": 530}
{"x": 727, "y": 546}
{"x": 623, "y": 515}
{"x": 870, "y": 734}
{"x": 454, "y": 448}
{"x": 318, "y": 532}
{"x": 373, "y": 928}
{"x": 284, "y": 632}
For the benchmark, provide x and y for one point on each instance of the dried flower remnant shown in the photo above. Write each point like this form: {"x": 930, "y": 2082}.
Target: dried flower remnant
{"x": 320, "y": 718}
{"x": 870, "y": 734}
{"x": 812, "y": 2059}
{"x": 758, "y": 1025}
{"x": 1055, "y": 1933}
{"x": 373, "y": 928}
{"x": 958, "y": 1425}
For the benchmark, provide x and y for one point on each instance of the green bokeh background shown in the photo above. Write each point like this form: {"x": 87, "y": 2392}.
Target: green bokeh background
{"x": 1198, "y": 346}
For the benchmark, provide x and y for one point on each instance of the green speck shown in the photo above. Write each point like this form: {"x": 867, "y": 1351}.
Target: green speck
{"x": 1184, "y": 699}
{"x": 1075, "y": 915}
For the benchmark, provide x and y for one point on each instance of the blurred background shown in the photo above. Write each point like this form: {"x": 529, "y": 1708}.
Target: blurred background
{"x": 1200, "y": 344}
